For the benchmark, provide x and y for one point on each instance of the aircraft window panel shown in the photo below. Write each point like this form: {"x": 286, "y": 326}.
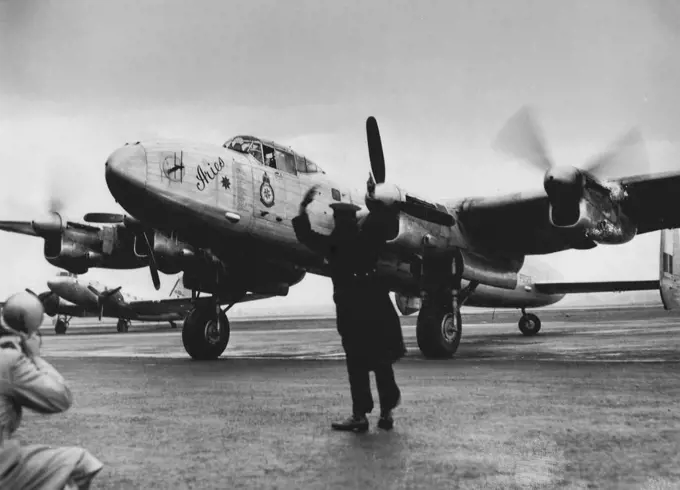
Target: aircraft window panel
{"x": 269, "y": 158}
{"x": 301, "y": 164}
{"x": 311, "y": 167}
{"x": 255, "y": 149}
{"x": 285, "y": 161}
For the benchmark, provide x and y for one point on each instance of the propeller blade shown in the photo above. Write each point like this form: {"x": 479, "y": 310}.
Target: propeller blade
{"x": 31, "y": 292}
{"x": 110, "y": 292}
{"x": 153, "y": 266}
{"x": 375, "y": 150}
{"x": 94, "y": 290}
{"x": 104, "y": 218}
{"x": 626, "y": 157}
{"x": 522, "y": 139}
{"x": 22, "y": 227}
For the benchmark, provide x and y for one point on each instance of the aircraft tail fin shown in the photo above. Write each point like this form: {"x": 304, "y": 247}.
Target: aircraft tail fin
{"x": 178, "y": 290}
{"x": 669, "y": 269}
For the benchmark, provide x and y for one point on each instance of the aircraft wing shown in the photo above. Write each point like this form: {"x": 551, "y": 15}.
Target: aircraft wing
{"x": 595, "y": 287}
{"x": 176, "y": 305}
{"x": 520, "y": 221}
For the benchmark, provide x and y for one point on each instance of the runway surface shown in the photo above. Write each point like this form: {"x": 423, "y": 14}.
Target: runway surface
{"x": 607, "y": 341}
{"x": 590, "y": 402}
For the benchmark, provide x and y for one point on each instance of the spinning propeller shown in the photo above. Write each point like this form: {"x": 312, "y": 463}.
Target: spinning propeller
{"x": 522, "y": 139}
{"x": 113, "y": 218}
{"x": 50, "y": 222}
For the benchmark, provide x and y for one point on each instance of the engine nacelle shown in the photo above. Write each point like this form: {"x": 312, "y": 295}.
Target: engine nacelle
{"x": 50, "y": 224}
{"x": 498, "y": 272}
{"x": 170, "y": 253}
{"x": 599, "y": 216}
{"x": 71, "y": 256}
{"x": 51, "y": 304}
{"x": 414, "y": 234}
{"x": 266, "y": 278}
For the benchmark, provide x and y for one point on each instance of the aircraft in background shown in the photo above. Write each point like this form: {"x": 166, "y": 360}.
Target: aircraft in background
{"x": 70, "y": 296}
{"x": 222, "y": 216}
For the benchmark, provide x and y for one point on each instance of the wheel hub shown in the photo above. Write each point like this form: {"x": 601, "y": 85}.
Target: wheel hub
{"x": 529, "y": 324}
{"x": 449, "y": 328}
{"x": 212, "y": 331}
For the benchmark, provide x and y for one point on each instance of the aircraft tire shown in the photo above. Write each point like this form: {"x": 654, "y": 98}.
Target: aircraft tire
{"x": 202, "y": 341}
{"x": 437, "y": 334}
{"x": 60, "y": 327}
{"x": 529, "y": 324}
{"x": 122, "y": 326}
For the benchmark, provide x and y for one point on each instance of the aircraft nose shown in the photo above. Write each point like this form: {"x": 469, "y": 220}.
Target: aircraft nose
{"x": 125, "y": 168}
{"x": 55, "y": 283}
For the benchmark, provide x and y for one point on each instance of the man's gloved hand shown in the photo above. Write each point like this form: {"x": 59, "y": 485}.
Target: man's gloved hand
{"x": 309, "y": 197}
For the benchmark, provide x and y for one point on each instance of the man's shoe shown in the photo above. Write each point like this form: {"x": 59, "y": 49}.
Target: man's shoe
{"x": 352, "y": 424}
{"x": 386, "y": 422}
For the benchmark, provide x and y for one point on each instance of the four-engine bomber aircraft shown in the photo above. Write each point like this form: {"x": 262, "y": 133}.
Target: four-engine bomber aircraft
{"x": 222, "y": 215}
{"x": 70, "y": 296}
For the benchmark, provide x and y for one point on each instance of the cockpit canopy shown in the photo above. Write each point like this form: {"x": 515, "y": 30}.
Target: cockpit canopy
{"x": 273, "y": 155}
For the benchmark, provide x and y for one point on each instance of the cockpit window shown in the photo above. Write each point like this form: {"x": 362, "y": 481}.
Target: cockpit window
{"x": 306, "y": 166}
{"x": 300, "y": 164}
{"x": 246, "y": 145}
{"x": 313, "y": 168}
{"x": 255, "y": 149}
{"x": 285, "y": 161}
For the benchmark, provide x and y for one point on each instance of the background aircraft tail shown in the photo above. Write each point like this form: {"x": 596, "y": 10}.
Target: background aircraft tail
{"x": 669, "y": 269}
{"x": 178, "y": 290}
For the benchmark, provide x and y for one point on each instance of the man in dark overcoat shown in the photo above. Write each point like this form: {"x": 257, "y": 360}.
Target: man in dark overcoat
{"x": 367, "y": 322}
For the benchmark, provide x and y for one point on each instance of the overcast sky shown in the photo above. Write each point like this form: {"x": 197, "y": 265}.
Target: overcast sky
{"x": 80, "y": 78}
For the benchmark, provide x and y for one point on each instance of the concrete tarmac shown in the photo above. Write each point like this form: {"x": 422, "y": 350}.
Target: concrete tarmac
{"x": 590, "y": 402}
{"x": 653, "y": 340}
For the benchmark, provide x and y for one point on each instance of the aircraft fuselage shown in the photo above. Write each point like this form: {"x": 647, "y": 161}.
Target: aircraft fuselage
{"x": 241, "y": 208}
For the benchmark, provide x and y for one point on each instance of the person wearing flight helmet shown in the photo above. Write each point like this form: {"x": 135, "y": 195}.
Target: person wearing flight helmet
{"x": 367, "y": 322}
{"x": 28, "y": 381}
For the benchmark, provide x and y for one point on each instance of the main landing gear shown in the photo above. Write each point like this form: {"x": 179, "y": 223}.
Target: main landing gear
{"x": 123, "y": 325}
{"x": 205, "y": 333}
{"x": 529, "y": 324}
{"x": 440, "y": 327}
{"x": 61, "y": 325}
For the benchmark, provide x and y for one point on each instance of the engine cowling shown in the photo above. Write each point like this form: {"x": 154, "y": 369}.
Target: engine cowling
{"x": 71, "y": 256}
{"x": 414, "y": 233}
{"x": 598, "y": 215}
{"x": 498, "y": 272}
{"x": 50, "y": 304}
{"x": 170, "y": 253}
{"x": 578, "y": 201}
{"x": 263, "y": 278}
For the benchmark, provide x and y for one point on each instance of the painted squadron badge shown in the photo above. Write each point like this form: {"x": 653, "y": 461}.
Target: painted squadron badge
{"x": 266, "y": 191}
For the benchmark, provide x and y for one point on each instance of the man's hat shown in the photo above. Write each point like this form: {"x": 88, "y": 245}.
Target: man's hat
{"x": 344, "y": 209}
{"x": 23, "y": 312}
